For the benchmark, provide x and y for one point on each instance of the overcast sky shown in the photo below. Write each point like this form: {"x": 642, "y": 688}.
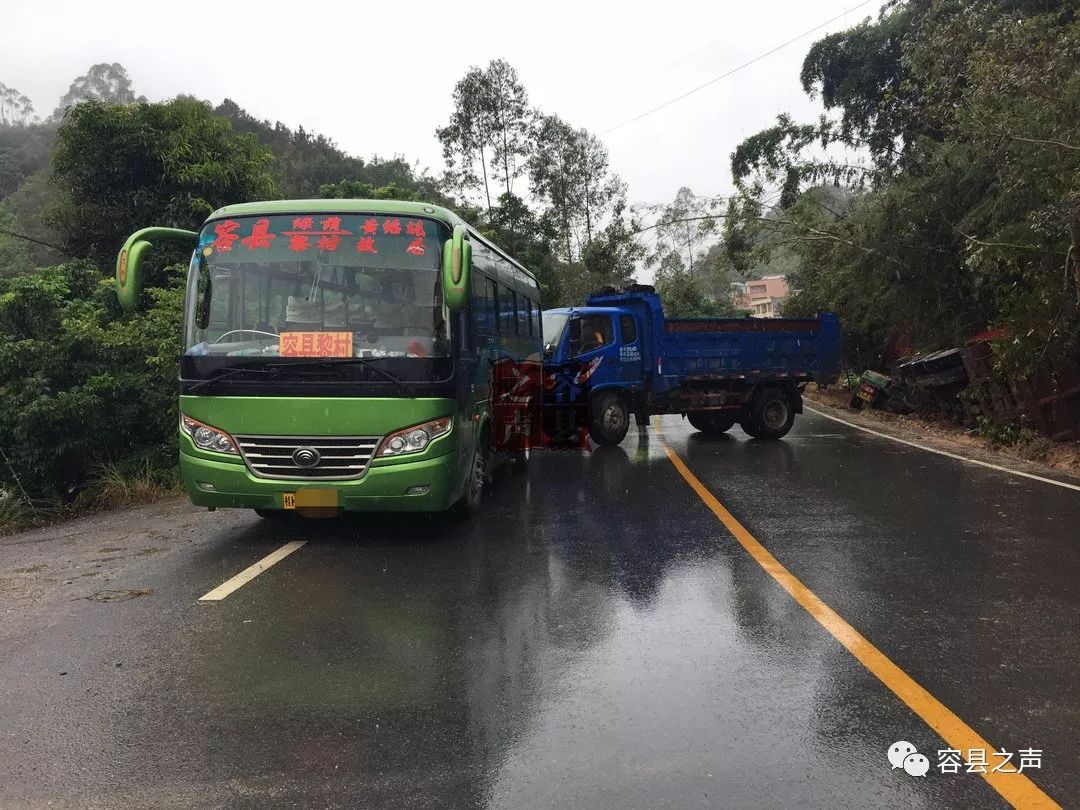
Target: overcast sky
{"x": 377, "y": 77}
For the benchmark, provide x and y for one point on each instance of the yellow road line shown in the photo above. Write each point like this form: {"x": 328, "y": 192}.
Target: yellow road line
{"x": 252, "y": 571}
{"x": 1016, "y": 788}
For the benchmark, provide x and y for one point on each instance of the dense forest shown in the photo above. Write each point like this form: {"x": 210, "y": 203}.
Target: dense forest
{"x": 955, "y": 209}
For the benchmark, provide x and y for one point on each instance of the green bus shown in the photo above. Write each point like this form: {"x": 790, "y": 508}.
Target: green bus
{"x": 344, "y": 355}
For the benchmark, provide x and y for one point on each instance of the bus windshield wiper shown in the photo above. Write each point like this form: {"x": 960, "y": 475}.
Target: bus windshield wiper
{"x": 228, "y": 371}
{"x": 330, "y": 362}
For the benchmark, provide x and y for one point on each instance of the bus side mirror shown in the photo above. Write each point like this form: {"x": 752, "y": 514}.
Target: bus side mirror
{"x": 457, "y": 261}
{"x": 129, "y": 260}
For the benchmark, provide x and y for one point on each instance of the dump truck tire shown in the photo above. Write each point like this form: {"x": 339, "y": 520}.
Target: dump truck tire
{"x": 609, "y": 419}
{"x": 711, "y": 423}
{"x": 772, "y": 414}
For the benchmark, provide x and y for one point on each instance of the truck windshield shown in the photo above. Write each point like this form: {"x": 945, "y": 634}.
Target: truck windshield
{"x": 553, "y": 325}
{"x": 319, "y": 285}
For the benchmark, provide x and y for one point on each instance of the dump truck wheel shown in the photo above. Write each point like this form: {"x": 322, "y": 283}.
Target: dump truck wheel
{"x": 610, "y": 419}
{"x": 771, "y": 415}
{"x": 710, "y": 422}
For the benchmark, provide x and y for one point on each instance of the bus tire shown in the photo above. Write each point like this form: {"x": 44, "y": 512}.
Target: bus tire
{"x": 711, "y": 423}
{"x": 609, "y": 419}
{"x": 472, "y": 498}
{"x": 772, "y": 413}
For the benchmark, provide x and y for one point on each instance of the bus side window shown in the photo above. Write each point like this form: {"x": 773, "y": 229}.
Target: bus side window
{"x": 524, "y": 305}
{"x": 492, "y": 314}
{"x": 467, "y": 332}
{"x": 476, "y": 304}
{"x": 506, "y": 311}
{"x": 476, "y": 292}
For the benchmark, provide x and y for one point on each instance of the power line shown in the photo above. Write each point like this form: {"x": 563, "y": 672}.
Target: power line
{"x": 736, "y": 69}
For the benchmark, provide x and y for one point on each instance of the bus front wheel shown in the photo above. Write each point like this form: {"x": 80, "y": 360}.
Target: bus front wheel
{"x": 473, "y": 496}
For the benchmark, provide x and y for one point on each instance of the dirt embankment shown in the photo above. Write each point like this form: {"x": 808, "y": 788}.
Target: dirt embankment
{"x": 1030, "y": 450}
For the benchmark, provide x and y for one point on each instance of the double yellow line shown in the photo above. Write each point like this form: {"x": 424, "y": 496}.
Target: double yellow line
{"x": 1016, "y": 788}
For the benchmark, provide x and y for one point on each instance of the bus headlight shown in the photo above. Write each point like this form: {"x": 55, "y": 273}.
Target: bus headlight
{"x": 206, "y": 437}
{"x": 414, "y": 439}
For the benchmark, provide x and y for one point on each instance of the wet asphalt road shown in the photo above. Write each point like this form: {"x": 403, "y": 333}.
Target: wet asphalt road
{"x": 595, "y": 638}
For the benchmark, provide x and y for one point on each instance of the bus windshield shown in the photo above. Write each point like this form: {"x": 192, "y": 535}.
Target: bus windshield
{"x": 322, "y": 285}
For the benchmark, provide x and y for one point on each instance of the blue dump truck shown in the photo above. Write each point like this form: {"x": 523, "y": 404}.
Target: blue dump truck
{"x": 618, "y": 355}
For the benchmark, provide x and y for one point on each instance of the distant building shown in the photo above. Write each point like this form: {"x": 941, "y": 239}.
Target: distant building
{"x": 763, "y": 296}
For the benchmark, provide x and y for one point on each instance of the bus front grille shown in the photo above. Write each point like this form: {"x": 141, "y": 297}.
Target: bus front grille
{"x": 318, "y": 458}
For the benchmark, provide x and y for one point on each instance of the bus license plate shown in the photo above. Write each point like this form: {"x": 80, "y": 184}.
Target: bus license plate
{"x": 310, "y": 499}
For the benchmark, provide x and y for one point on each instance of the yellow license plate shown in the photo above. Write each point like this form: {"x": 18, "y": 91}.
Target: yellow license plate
{"x": 313, "y": 498}
{"x": 867, "y": 395}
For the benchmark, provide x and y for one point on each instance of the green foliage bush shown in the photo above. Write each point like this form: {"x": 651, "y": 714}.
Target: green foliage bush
{"x": 80, "y": 384}
{"x": 996, "y": 433}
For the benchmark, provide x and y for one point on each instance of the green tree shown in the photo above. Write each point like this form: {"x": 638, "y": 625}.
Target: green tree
{"x": 515, "y": 227}
{"x": 601, "y": 190}
{"x": 555, "y": 174}
{"x": 966, "y": 215}
{"x": 488, "y": 129}
{"x": 684, "y": 297}
{"x": 510, "y": 116}
{"x": 1012, "y": 114}
{"x": 860, "y": 73}
{"x": 571, "y": 177}
{"x": 102, "y": 82}
{"x": 304, "y": 162}
{"x": 15, "y": 108}
{"x": 680, "y": 228}
{"x": 121, "y": 167}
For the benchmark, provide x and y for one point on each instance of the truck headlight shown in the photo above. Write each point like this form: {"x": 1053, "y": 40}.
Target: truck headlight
{"x": 414, "y": 439}
{"x": 206, "y": 437}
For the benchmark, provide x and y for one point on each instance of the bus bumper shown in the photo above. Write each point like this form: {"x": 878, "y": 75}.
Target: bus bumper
{"x": 390, "y": 488}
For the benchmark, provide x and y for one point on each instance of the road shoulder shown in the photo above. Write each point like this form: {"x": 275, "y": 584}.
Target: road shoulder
{"x": 1062, "y": 464}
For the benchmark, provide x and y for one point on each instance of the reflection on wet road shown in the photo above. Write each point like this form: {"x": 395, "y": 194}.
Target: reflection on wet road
{"x": 595, "y": 638}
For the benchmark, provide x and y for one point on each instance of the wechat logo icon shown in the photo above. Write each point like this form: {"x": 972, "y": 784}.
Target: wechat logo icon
{"x": 903, "y": 754}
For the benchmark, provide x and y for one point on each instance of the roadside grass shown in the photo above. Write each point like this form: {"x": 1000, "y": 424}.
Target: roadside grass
{"x": 110, "y": 486}
{"x": 18, "y": 514}
{"x": 116, "y": 485}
